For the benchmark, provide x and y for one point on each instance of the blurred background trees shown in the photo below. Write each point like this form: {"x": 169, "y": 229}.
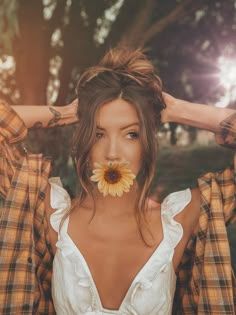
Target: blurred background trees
{"x": 51, "y": 41}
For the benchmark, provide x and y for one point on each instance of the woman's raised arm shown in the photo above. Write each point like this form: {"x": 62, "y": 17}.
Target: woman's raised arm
{"x": 221, "y": 121}
{"x": 197, "y": 115}
{"x": 42, "y": 116}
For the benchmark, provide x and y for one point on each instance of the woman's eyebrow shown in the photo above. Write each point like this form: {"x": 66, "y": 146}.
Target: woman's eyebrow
{"x": 122, "y": 128}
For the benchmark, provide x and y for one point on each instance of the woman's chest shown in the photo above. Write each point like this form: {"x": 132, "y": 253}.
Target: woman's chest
{"x": 112, "y": 278}
{"x": 114, "y": 261}
{"x": 119, "y": 250}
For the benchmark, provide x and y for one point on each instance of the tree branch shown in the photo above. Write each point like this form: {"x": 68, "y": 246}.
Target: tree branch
{"x": 96, "y": 11}
{"x": 171, "y": 18}
{"x": 140, "y": 23}
{"x": 121, "y": 24}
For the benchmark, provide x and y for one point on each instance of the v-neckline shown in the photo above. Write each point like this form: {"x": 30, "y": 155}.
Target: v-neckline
{"x": 136, "y": 277}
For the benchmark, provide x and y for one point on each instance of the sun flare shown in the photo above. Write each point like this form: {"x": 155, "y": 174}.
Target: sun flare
{"x": 227, "y": 78}
{"x": 227, "y": 72}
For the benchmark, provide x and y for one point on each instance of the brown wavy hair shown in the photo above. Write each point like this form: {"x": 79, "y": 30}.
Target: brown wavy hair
{"x": 126, "y": 74}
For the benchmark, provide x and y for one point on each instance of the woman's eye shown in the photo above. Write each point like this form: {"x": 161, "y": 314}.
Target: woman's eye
{"x": 134, "y": 135}
{"x": 99, "y": 135}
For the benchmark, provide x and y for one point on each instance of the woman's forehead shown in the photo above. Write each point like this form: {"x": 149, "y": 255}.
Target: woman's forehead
{"x": 117, "y": 112}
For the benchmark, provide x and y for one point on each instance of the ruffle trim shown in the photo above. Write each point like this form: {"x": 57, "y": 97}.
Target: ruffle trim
{"x": 172, "y": 205}
{"x": 59, "y": 200}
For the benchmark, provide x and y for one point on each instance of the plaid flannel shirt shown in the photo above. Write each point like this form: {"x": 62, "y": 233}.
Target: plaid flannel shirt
{"x": 205, "y": 283}
{"x": 25, "y": 256}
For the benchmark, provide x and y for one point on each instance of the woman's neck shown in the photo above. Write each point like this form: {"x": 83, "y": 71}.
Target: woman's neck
{"x": 114, "y": 207}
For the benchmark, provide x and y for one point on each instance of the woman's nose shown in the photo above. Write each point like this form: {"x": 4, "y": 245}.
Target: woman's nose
{"x": 112, "y": 151}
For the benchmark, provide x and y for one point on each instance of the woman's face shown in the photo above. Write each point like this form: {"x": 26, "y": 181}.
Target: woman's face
{"x": 117, "y": 135}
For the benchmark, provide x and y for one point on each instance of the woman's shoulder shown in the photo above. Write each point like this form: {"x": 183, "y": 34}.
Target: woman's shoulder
{"x": 182, "y": 206}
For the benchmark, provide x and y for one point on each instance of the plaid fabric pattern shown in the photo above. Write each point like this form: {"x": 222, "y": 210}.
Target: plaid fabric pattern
{"x": 12, "y": 128}
{"x": 205, "y": 283}
{"x": 25, "y": 256}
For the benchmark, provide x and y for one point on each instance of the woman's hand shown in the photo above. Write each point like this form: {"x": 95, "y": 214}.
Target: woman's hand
{"x": 67, "y": 114}
{"x": 170, "y": 102}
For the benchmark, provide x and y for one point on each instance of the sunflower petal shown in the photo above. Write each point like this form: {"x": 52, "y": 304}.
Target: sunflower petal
{"x": 105, "y": 188}
{"x": 126, "y": 181}
{"x": 97, "y": 165}
{"x": 98, "y": 172}
{"x": 95, "y": 178}
{"x": 112, "y": 190}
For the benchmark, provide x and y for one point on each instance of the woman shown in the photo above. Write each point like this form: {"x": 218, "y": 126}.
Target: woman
{"x": 115, "y": 250}
{"x": 119, "y": 258}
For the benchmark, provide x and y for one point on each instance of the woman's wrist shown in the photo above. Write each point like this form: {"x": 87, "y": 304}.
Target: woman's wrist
{"x": 62, "y": 115}
{"x": 43, "y": 116}
{"x": 68, "y": 113}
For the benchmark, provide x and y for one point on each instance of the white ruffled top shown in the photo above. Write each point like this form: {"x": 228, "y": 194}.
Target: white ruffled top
{"x": 151, "y": 291}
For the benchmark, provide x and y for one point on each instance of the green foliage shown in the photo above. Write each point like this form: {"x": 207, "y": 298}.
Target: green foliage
{"x": 179, "y": 167}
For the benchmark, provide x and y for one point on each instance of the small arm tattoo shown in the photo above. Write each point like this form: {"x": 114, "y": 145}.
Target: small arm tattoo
{"x": 228, "y": 123}
{"x": 37, "y": 125}
{"x": 56, "y": 117}
{"x": 227, "y": 132}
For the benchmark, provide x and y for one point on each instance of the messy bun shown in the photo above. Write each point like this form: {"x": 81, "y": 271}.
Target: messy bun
{"x": 126, "y": 74}
{"x": 133, "y": 64}
{"x": 128, "y": 65}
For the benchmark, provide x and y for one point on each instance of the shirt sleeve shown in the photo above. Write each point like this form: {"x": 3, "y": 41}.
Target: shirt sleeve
{"x": 12, "y": 127}
{"x": 226, "y": 179}
{"x": 227, "y": 134}
{"x": 218, "y": 192}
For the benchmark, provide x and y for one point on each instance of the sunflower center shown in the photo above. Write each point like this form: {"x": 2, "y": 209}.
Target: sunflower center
{"x": 112, "y": 176}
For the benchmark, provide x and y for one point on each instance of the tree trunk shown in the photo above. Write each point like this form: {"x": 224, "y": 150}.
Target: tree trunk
{"x": 31, "y": 52}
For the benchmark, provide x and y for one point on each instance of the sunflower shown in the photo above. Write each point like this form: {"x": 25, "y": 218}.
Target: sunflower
{"x": 113, "y": 178}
